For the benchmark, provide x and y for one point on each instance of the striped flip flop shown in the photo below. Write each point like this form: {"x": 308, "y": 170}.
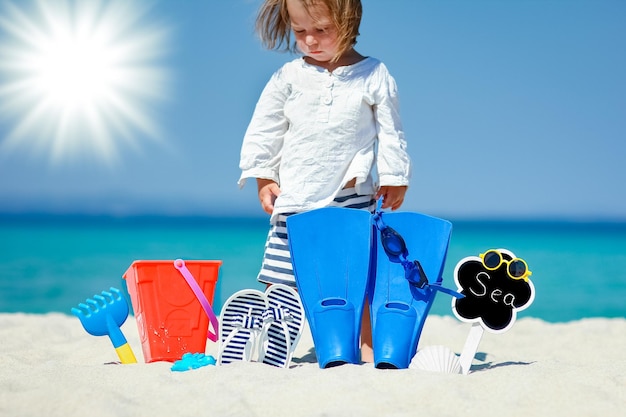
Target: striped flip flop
{"x": 241, "y": 326}
{"x": 283, "y": 322}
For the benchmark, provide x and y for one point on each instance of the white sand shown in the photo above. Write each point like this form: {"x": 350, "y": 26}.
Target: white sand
{"x": 49, "y": 366}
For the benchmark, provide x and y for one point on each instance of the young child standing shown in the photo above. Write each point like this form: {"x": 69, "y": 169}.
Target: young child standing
{"x": 326, "y": 130}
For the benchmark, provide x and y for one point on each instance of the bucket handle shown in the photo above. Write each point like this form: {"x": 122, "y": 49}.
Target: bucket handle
{"x": 180, "y": 265}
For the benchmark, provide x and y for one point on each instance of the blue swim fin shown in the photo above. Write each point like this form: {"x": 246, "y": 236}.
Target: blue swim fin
{"x": 330, "y": 250}
{"x": 401, "y": 292}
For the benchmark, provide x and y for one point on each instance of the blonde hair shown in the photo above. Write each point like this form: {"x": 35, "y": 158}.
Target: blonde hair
{"x": 274, "y": 25}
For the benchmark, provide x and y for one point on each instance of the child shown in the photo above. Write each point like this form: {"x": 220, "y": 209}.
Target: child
{"x": 326, "y": 130}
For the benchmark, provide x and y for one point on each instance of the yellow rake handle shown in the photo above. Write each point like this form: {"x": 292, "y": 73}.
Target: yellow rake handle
{"x": 126, "y": 354}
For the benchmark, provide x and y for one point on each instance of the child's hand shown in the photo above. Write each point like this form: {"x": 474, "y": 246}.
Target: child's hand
{"x": 393, "y": 196}
{"x": 268, "y": 191}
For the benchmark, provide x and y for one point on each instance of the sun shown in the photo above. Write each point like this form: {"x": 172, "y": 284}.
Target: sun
{"x": 80, "y": 77}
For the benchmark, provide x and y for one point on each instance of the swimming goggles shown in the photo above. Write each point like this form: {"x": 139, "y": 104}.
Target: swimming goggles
{"x": 516, "y": 268}
{"x": 395, "y": 247}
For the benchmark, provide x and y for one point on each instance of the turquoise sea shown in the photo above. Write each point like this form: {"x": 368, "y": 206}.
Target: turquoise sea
{"x": 49, "y": 263}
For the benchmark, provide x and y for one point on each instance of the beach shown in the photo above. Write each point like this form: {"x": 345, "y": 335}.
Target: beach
{"x": 50, "y": 366}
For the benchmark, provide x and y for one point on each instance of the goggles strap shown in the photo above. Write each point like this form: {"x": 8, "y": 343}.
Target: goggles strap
{"x": 438, "y": 287}
{"x": 413, "y": 271}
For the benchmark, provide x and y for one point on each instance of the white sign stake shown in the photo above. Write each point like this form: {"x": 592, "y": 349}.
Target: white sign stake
{"x": 470, "y": 348}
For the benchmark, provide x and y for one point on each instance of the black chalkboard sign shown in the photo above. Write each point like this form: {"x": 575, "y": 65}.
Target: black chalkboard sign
{"x": 494, "y": 292}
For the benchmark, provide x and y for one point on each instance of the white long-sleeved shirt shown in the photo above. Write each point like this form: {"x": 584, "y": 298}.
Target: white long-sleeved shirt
{"x": 313, "y": 130}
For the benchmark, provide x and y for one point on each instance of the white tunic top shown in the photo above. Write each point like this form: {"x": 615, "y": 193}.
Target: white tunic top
{"x": 313, "y": 130}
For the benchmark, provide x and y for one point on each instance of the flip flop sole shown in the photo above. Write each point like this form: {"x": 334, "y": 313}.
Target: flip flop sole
{"x": 281, "y": 335}
{"x": 241, "y": 321}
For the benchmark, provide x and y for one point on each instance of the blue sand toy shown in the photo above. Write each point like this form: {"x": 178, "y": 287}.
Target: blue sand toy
{"x": 192, "y": 361}
{"x": 408, "y": 258}
{"x": 103, "y": 314}
{"x": 330, "y": 249}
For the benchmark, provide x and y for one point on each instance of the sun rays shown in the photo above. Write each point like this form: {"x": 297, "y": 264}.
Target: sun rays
{"x": 80, "y": 78}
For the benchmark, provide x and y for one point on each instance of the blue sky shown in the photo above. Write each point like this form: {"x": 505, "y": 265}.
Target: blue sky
{"x": 512, "y": 109}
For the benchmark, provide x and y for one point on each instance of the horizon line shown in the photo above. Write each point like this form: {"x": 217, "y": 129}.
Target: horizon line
{"x": 232, "y": 216}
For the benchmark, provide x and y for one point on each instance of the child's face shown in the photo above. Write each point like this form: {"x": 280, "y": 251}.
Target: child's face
{"x": 316, "y": 35}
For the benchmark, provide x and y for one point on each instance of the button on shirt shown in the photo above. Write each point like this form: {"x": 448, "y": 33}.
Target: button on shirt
{"x": 313, "y": 130}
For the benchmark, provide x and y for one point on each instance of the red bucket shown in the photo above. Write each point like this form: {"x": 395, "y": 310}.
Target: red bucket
{"x": 170, "y": 317}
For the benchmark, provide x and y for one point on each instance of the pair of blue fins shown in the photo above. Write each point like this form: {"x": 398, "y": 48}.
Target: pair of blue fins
{"x": 342, "y": 255}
